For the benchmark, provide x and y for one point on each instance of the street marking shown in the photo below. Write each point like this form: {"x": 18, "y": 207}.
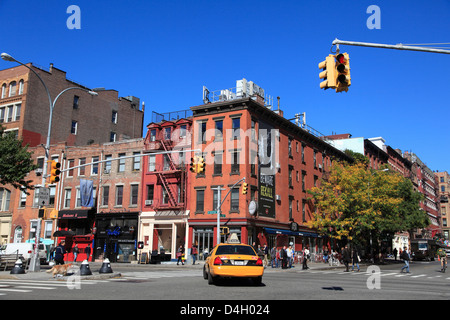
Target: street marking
{"x": 35, "y": 287}
{"x": 15, "y": 290}
{"x": 418, "y": 276}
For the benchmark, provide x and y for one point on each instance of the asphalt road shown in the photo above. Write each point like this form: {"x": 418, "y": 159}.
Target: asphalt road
{"x": 186, "y": 286}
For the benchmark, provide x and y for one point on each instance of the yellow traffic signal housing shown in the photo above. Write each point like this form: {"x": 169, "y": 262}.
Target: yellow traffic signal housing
{"x": 244, "y": 188}
{"x": 54, "y": 171}
{"x": 201, "y": 165}
{"x": 343, "y": 72}
{"x": 224, "y": 230}
{"x": 193, "y": 167}
{"x": 329, "y": 73}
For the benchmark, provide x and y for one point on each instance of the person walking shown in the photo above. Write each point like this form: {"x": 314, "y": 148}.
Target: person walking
{"x": 194, "y": 253}
{"x": 283, "y": 255}
{"x": 305, "y": 258}
{"x": 180, "y": 253}
{"x": 266, "y": 253}
{"x": 405, "y": 257}
{"x": 273, "y": 257}
{"x": 60, "y": 251}
{"x": 87, "y": 250}
{"x": 442, "y": 255}
{"x": 290, "y": 254}
{"x": 75, "y": 252}
{"x": 346, "y": 256}
{"x": 356, "y": 259}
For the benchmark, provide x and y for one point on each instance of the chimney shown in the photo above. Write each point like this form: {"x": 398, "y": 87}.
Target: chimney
{"x": 279, "y": 111}
{"x": 51, "y": 68}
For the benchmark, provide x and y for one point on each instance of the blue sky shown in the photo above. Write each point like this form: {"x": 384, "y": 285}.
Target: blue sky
{"x": 164, "y": 52}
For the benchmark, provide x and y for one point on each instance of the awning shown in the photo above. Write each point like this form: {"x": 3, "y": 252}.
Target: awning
{"x": 73, "y": 214}
{"x": 291, "y": 233}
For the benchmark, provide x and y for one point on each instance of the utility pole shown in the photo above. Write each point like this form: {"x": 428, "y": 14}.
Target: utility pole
{"x": 399, "y": 46}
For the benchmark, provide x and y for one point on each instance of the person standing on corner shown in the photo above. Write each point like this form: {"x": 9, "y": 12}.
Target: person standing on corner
{"x": 346, "y": 256}
{"x": 180, "y": 253}
{"x": 194, "y": 253}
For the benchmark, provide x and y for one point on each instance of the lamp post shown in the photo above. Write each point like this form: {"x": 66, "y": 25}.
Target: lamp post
{"x": 35, "y": 263}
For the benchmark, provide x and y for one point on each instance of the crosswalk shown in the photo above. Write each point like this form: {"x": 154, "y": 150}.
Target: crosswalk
{"x": 23, "y": 286}
{"x": 385, "y": 274}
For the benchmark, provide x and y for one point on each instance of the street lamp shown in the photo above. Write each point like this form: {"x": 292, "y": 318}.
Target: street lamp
{"x": 35, "y": 263}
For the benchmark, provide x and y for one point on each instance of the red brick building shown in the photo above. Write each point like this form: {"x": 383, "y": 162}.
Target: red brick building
{"x": 166, "y": 193}
{"x": 242, "y": 137}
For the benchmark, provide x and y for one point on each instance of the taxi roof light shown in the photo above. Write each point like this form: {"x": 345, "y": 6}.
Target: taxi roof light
{"x": 233, "y": 238}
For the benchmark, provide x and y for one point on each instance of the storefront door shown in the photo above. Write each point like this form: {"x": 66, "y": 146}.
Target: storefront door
{"x": 204, "y": 239}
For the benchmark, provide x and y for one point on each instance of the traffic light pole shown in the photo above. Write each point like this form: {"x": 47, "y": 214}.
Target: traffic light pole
{"x": 399, "y": 46}
{"x": 219, "y": 205}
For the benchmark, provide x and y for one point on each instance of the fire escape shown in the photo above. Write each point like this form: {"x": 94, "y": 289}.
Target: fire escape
{"x": 170, "y": 175}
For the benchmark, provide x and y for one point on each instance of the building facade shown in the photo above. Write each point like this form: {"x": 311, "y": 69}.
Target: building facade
{"x": 242, "y": 137}
{"x": 443, "y": 179}
{"x": 79, "y": 118}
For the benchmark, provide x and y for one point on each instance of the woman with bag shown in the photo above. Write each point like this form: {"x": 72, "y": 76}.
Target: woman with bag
{"x": 180, "y": 253}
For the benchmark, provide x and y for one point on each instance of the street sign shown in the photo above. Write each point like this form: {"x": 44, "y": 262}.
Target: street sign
{"x": 212, "y": 212}
{"x": 44, "y": 196}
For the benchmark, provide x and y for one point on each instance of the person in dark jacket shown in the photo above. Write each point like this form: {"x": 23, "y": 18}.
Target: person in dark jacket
{"x": 346, "y": 256}
{"x": 355, "y": 259}
{"x": 284, "y": 257}
{"x": 60, "y": 252}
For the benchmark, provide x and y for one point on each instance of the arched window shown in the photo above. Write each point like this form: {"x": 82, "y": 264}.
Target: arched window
{"x": 21, "y": 86}
{"x": 3, "y": 91}
{"x": 12, "y": 89}
{"x": 18, "y": 235}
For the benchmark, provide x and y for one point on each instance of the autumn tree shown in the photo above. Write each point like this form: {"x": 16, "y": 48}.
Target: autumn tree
{"x": 356, "y": 203}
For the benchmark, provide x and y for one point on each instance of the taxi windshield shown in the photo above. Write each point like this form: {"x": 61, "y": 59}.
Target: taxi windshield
{"x": 235, "y": 249}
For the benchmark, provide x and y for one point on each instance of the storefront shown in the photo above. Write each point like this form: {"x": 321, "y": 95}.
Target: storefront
{"x": 116, "y": 236}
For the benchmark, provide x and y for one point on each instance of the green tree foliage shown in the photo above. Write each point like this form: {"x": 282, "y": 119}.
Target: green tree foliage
{"x": 15, "y": 161}
{"x": 356, "y": 202}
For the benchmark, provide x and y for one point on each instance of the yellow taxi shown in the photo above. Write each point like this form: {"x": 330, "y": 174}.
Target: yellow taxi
{"x": 233, "y": 260}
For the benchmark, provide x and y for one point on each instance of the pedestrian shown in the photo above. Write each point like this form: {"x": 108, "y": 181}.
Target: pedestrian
{"x": 75, "y": 252}
{"x": 290, "y": 254}
{"x": 356, "y": 259}
{"x": 405, "y": 257}
{"x": 60, "y": 251}
{"x": 283, "y": 255}
{"x": 266, "y": 253}
{"x": 278, "y": 258}
{"x": 180, "y": 253}
{"x": 395, "y": 253}
{"x": 194, "y": 253}
{"x": 87, "y": 250}
{"x": 52, "y": 252}
{"x": 273, "y": 257}
{"x": 305, "y": 258}
{"x": 346, "y": 256}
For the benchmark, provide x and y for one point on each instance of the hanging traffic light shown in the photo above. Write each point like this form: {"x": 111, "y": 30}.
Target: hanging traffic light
{"x": 244, "y": 188}
{"x": 54, "y": 171}
{"x": 201, "y": 165}
{"x": 328, "y": 73}
{"x": 193, "y": 167}
{"x": 343, "y": 72}
{"x": 224, "y": 230}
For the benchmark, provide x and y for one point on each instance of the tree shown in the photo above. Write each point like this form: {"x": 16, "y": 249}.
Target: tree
{"x": 15, "y": 161}
{"x": 356, "y": 203}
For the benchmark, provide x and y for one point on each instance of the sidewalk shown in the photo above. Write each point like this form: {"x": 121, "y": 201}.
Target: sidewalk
{"x": 170, "y": 265}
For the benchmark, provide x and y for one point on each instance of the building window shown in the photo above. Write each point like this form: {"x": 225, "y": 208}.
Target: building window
{"x": 136, "y": 161}
{"x": 290, "y": 177}
{"x": 134, "y": 194}
{"x": 164, "y": 195}
{"x": 2, "y": 115}
{"x": 114, "y": 117}
{"x": 290, "y": 208}
{"x": 105, "y": 196}
{"x": 82, "y": 170}
{"x": 151, "y": 163}
{"x": 12, "y": 89}
{"x": 202, "y": 132}
{"x": 119, "y": 195}
{"x": 48, "y": 226}
{"x": 150, "y": 192}
{"x": 200, "y": 205}
{"x": 303, "y": 180}
{"x": 3, "y": 91}
{"x": 303, "y": 210}
{"x": 75, "y": 102}
{"x": 94, "y": 166}
{"x": 17, "y": 113}
{"x": 236, "y": 126}
{"x": 219, "y": 130}
{"x": 112, "y": 137}
{"x": 121, "y": 167}
{"x": 183, "y": 129}
{"x": 234, "y": 203}
{"x": 108, "y": 163}
{"x": 71, "y": 165}
{"x": 23, "y": 199}
{"x": 303, "y": 153}
{"x": 67, "y": 196}
{"x": 290, "y": 146}
{"x": 218, "y": 163}
{"x": 153, "y": 135}
{"x": 167, "y": 133}
{"x": 235, "y": 162}
{"x": 74, "y": 128}
{"x": 21, "y": 87}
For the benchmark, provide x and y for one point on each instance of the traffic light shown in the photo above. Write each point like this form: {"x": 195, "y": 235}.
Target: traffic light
{"x": 343, "y": 72}
{"x": 201, "y": 165}
{"x": 224, "y": 230}
{"x": 244, "y": 188}
{"x": 54, "y": 171}
{"x": 329, "y": 73}
{"x": 193, "y": 167}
